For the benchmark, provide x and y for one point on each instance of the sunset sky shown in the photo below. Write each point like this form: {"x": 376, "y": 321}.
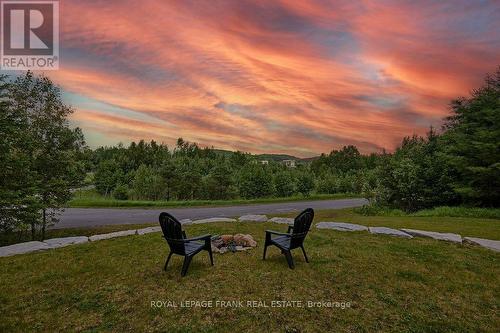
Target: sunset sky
{"x": 296, "y": 77}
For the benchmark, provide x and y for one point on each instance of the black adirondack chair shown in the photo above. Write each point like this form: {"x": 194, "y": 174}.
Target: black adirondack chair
{"x": 180, "y": 244}
{"x": 286, "y": 242}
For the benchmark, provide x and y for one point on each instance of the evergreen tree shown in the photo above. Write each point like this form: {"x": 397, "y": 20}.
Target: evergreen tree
{"x": 471, "y": 143}
{"x": 219, "y": 182}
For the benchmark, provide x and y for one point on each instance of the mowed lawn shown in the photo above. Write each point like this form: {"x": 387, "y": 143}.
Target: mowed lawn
{"x": 392, "y": 284}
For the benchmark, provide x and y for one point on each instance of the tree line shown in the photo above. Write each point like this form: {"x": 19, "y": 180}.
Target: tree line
{"x": 43, "y": 159}
{"x": 152, "y": 171}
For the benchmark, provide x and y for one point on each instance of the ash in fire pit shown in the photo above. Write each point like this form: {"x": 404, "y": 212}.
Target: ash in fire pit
{"x": 239, "y": 242}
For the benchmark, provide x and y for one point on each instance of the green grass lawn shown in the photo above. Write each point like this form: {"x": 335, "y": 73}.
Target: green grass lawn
{"x": 392, "y": 284}
{"x": 84, "y": 199}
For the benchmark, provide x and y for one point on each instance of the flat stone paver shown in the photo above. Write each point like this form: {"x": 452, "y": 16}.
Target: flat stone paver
{"x": 282, "y": 220}
{"x": 487, "y": 243}
{"x": 55, "y": 243}
{"x": 253, "y": 218}
{"x": 148, "y": 230}
{"x": 21, "y": 248}
{"x": 389, "y": 231}
{"x": 340, "y": 226}
{"x": 112, "y": 235}
{"x": 449, "y": 237}
{"x": 186, "y": 221}
{"x": 214, "y": 219}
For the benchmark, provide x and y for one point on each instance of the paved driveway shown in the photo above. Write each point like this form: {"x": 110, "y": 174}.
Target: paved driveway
{"x": 86, "y": 217}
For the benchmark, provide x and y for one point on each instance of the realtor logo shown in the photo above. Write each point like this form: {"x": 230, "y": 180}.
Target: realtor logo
{"x": 30, "y": 35}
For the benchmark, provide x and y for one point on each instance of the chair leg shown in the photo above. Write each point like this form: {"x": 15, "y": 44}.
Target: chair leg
{"x": 211, "y": 256}
{"x": 265, "y": 250}
{"x": 289, "y": 259}
{"x": 185, "y": 265}
{"x": 166, "y": 262}
{"x": 304, "y": 251}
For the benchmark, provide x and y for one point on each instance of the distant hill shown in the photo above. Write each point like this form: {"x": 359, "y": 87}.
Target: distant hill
{"x": 277, "y": 157}
{"x": 223, "y": 152}
{"x": 309, "y": 159}
{"x": 270, "y": 157}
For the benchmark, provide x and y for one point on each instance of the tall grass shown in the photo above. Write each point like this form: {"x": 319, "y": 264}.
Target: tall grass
{"x": 444, "y": 211}
{"x": 90, "y": 198}
{"x": 489, "y": 213}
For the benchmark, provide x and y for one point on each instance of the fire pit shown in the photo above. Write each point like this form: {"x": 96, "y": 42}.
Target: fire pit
{"x": 232, "y": 243}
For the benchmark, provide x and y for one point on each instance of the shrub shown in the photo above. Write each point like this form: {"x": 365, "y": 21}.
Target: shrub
{"x": 147, "y": 184}
{"x": 284, "y": 184}
{"x": 376, "y": 210}
{"x": 327, "y": 184}
{"x": 107, "y": 176}
{"x": 305, "y": 183}
{"x": 120, "y": 192}
{"x": 255, "y": 182}
{"x": 218, "y": 184}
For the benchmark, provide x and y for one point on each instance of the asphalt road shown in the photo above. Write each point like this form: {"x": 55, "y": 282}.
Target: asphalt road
{"x": 88, "y": 217}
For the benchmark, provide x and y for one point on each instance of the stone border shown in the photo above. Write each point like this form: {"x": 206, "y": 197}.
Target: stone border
{"x": 410, "y": 233}
{"x": 389, "y": 231}
{"x": 487, "y": 243}
{"x": 455, "y": 238}
{"x": 340, "y": 226}
{"x": 54, "y": 243}
{"x": 282, "y": 220}
{"x": 21, "y": 248}
{"x": 253, "y": 218}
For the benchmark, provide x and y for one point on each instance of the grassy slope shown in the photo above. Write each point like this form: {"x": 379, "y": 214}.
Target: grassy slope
{"x": 417, "y": 285}
{"x": 85, "y": 201}
{"x": 465, "y": 226}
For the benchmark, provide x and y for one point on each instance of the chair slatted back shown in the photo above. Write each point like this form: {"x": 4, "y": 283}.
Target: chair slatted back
{"x": 301, "y": 227}
{"x": 172, "y": 232}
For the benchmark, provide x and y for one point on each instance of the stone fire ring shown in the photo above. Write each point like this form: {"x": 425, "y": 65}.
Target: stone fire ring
{"x": 232, "y": 243}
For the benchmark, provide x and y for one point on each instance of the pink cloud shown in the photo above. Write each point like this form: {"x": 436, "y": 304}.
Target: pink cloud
{"x": 289, "y": 76}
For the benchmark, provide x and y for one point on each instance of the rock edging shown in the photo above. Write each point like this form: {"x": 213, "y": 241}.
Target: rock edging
{"x": 253, "y": 218}
{"x": 449, "y": 237}
{"x": 487, "y": 243}
{"x": 389, "y": 231}
{"x": 341, "y": 226}
{"x": 54, "y": 243}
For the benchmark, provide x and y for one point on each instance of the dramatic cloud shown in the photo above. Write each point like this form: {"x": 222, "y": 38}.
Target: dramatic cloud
{"x": 298, "y": 77}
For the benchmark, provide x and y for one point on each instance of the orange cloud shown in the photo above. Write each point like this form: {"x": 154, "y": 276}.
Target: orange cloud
{"x": 288, "y": 76}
